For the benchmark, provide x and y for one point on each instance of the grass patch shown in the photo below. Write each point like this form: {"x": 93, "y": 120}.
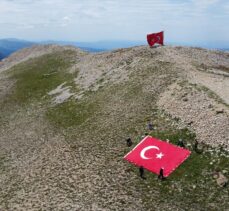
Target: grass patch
{"x": 174, "y": 135}
{"x": 71, "y": 113}
{"x": 36, "y": 77}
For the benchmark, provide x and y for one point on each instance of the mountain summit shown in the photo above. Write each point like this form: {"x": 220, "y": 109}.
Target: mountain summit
{"x": 65, "y": 115}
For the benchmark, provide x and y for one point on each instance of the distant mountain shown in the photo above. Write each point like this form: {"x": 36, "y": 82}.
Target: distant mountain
{"x": 1, "y": 55}
{"x": 86, "y": 47}
{"x": 8, "y": 46}
{"x": 97, "y": 46}
{"x": 224, "y": 49}
{"x": 110, "y": 45}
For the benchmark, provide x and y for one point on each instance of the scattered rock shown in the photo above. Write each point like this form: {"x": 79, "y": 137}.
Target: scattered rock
{"x": 209, "y": 127}
{"x": 224, "y": 171}
{"x": 221, "y": 180}
{"x": 219, "y": 111}
{"x": 215, "y": 175}
{"x": 210, "y": 106}
{"x": 61, "y": 93}
{"x": 73, "y": 146}
{"x": 190, "y": 123}
{"x": 185, "y": 99}
{"x": 184, "y": 95}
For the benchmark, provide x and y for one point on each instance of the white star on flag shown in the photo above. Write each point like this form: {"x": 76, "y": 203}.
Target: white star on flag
{"x": 160, "y": 155}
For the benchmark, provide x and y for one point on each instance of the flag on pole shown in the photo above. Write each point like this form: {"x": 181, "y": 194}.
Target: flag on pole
{"x": 154, "y": 38}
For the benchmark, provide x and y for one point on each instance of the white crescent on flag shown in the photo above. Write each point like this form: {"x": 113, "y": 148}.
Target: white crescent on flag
{"x": 142, "y": 154}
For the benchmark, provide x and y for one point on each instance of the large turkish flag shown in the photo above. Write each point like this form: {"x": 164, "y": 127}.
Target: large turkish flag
{"x": 154, "y": 154}
{"x": 155, "y": 38}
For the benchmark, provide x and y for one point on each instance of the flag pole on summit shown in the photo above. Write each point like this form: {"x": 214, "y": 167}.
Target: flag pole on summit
{"x": 155, "y": 38}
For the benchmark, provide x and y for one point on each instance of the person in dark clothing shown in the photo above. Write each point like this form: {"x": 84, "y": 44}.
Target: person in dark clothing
{"x": 141, "y": 171}
{"x": 161, "y": 174}
{"x": 180, "y": 143}
{"x": 196, "y": 146}
{"x": 150, "y": 126}
{"x": 129, "y": 142}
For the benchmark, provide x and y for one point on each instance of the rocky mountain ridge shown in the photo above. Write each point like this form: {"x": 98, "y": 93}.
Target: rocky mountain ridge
{"x": 65, "y": 115}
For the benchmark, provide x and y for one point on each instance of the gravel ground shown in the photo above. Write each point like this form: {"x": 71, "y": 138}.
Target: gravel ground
{"x": 208, "y": 118}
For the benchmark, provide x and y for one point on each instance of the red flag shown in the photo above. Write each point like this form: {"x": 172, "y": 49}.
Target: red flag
{"x": 154, "y": 154}
{"x": 155, "y": 38}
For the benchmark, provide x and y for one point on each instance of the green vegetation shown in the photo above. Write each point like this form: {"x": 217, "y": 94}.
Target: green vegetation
{"x": 36, "y": 77}
{"x": 70, "y": 113}
{"x": 174, "y": 135}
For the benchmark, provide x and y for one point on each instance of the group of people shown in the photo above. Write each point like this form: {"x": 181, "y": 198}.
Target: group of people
{"x": 129, "y": 141}
{"x": 180, "y": 143}
{"x": 161, "y": 173}
{"x": 141, "y": 168}
{"x": 160, "y": 176}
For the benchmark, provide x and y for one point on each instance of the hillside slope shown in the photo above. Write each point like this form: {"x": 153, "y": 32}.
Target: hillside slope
{"x": 65, "y": 115}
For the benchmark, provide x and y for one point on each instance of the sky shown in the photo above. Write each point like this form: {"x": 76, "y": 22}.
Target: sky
{"x": 183, "y": 21}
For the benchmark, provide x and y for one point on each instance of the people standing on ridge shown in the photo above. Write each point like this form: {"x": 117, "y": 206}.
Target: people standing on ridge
{"x": 129, "y": 142}
{"x": 161, "y": 174}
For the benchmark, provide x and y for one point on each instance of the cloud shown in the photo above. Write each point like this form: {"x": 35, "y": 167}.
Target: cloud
{"x": 116, "y": 19}
{"x": 65, "y": 21}
{"x": 204, "y": 3}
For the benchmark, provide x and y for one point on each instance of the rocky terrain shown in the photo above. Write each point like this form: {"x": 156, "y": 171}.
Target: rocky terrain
{"x": 65, "y": 115}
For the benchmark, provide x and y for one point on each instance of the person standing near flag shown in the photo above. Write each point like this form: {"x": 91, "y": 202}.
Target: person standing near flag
{"x": 150, "y": 126}
{"x": 180, "y": 143}
{"x": 129, "y": 142}
{"x": 141, "y": 171}
{"x": 161, "y": 174}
